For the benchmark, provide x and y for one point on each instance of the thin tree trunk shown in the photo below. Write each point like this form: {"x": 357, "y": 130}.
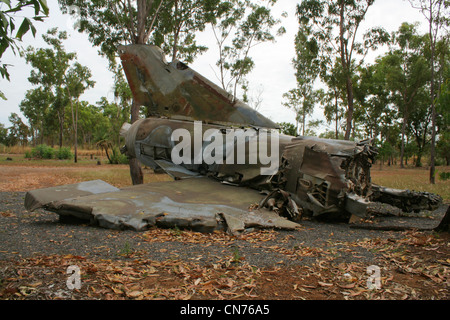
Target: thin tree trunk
{"x": 402, "y": 148}
{"x": 176, "y": 35}
{"x": 137, "y": 176}
{"x": 175, "y": 45}
{"x": 433, "y": 108}
{"x": 76, "y": 133}
{"x": 61, "y": 128}
{"x": 303, "y": 123}
{"x": 74, "y": 126}
{"x": 337, "y": 110}
{"x": 348, "y": 129}
{"x": 346, "y": 67}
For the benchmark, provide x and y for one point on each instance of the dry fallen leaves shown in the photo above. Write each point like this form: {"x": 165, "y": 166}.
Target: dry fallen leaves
{"x": 216, "y": 237}
{"x": 404, "y": 275}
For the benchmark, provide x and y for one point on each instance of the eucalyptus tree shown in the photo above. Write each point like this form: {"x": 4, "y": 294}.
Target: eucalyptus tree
{"x": 419, "y": 123}
{"x": 241, "y": 25}
{"x": 3, "y": 134}
{"x": 178, "y": 24}
{"x": 302, "y": 98}
{"x": 62, "y": 78}
{"x": 18, "y": 132}
{"x": 334, "y": 27}
{"x": 437, "y": 13}
{"x": 406, "y": 71}
{"x": 36, "y": 108}
{"x": 333, "y": 97}
{"x": 111, "y": 23}
{"x": 301, "y": 101}
{"x": 373, "y": 98}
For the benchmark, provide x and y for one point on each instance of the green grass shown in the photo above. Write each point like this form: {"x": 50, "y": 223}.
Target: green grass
{"x": 19, "y": 159}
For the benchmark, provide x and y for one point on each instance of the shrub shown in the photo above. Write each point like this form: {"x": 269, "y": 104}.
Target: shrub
{"x": 43, "y": 152}
{"x": 117, "y": 157}
{"x": 64, "y": 153}
{"x": 444, "y": 175}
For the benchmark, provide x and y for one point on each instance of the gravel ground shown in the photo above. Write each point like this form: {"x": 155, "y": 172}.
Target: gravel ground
{"x": 24, "y": 234}
{"x": 319, "y": 261}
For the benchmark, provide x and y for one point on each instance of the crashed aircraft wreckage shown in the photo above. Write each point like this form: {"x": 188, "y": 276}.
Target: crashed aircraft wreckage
{"x": 232, "y": 170}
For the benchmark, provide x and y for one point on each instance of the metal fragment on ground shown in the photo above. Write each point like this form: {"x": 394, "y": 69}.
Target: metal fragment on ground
{"x": 196, "y": 203}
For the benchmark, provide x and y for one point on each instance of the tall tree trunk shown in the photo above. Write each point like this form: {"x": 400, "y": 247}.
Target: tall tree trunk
{"x": 76, "y": 134}
{"x": 176, "y": 35}
{"x": 433, "y": 107}
{"x": 346, "y": 68}
{"x": 137, "y": 176}
{"x": 61, "y": 128}
{"x": 402, "y": 148}
{"x": 74, "y": 126}
{"x": 349, "y": 121}
{"x": 337, "y": 111}
{"x": 303, "y": 122}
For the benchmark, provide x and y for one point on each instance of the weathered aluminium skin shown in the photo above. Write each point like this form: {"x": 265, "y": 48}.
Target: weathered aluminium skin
{"x": 315, "y": 177}
{"x": 174, "y": 90}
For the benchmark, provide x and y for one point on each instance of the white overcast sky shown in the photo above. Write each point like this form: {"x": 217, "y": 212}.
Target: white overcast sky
{"x": 273, "y": 72}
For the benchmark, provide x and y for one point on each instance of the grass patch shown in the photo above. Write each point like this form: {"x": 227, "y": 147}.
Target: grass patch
{"x": 21, "y": 160}
{"x": 116, "y": 175}
{"x": 412, "y": 179}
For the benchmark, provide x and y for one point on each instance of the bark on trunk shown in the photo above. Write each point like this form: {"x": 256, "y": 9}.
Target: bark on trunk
{"x": 137, "y": 176}
{"x": 345, "y": 61}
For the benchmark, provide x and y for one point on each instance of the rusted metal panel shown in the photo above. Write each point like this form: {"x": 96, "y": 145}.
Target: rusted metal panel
{"x": 199, "y": 203}
{"x": 41, "y": 197}
{"x": 176, "y": 91}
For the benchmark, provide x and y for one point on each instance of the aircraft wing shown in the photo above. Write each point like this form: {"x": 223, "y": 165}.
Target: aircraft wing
{"x": 198, "y": 203}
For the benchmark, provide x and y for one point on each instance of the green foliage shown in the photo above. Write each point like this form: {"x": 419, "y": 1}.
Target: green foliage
{"x": 444, "y": 176}
{"x": 443, "y": 147}
{"x": 8, "y": 12}
{"x": 301, "y": 101}
{"x": 64, "y": 153}
{"x": 328, "y": 134}
{"x": 242, "y": 24}
{"x": 328, "y": 39}
{"x": 60, "y": 81}
{"x": 117, "y": 157}
{"x": 3, "y": 134}
{"x": 171, "y": 24}
{"x": 41, "y": 152}
{"x": 126, "y": 250}
{"x": 288, "y": 128}
{"x": 177, "y": 24}
{"x": 386, "y": 150}
{"x": 19, "y": 132}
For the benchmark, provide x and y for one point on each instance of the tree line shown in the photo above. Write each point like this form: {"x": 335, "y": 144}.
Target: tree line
{"x": 401, "y": 99}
